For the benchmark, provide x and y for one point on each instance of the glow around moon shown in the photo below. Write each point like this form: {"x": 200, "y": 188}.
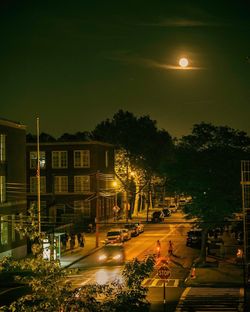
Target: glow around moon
{"x": 183, "y": 62}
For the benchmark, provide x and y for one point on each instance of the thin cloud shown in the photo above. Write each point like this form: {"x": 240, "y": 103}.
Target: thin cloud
{"x": 127, "y": 59}
{"x": 184, "y": 22}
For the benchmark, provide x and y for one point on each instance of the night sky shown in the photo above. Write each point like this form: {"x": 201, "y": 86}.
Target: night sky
{"x": 76, "y": 63}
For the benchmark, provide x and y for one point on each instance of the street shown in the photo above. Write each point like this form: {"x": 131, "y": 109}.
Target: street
{"x": 90, "y": 270}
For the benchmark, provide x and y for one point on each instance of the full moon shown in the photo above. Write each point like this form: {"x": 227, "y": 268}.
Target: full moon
{"x": 183, "y": 62}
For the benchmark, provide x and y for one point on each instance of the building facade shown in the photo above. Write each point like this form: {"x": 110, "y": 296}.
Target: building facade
{"x": 76, "y": 180}
{"x": 12, "y": 188}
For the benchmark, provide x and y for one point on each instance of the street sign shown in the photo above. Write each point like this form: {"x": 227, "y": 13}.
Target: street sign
{"x": 164, "y": 272}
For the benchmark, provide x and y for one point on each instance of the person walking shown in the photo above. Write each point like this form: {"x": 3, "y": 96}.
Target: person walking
{"x": 72, "y": 242}
{"x": 158, "y": 248}
{"x": 170, "y": 248}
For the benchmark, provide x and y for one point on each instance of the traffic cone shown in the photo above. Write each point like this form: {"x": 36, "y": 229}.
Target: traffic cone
{"x": 193, "y": 273}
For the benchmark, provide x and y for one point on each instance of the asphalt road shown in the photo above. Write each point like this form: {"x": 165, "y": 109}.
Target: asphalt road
{"x": 91, "y": 271}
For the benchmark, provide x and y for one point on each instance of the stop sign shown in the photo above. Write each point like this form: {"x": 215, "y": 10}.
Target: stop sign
{"x": 164, "y": 272}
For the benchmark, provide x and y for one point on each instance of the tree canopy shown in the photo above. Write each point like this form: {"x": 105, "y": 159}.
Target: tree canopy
{"x": 207, "y": 167}
{"x": 139, "y": 136}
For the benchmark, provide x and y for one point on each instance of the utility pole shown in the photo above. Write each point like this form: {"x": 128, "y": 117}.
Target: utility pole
{"x": 97, "y": 211}
{"x": 38, "y": 178}
{"x": 126, "y": 194}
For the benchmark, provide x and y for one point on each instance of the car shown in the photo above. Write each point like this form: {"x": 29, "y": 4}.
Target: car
{"x": 115, "y": 236}
{"x": 182, "y": 202}
{"x": 173, "y": 207}
{"x": 140, "y": 227}
{"x": 133, "y": 228}
{"x": 194, "y": 238}
{"x": 157, "y": 216}
{"x": 112, "y": 253}
{"x": 126, "y": 234}
{"x": 166, "y": 212}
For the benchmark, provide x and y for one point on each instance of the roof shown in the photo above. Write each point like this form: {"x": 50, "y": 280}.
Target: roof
{"x": 12, "y": 124}
{"x": 71, "y": 143}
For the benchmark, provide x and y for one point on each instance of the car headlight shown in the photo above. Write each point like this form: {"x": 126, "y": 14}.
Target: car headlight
{"x": 117, "y": 257}
{"x": 102, "y": 257}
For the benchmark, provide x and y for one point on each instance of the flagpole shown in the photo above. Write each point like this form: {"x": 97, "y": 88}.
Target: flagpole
{"x": 38, "y": 177}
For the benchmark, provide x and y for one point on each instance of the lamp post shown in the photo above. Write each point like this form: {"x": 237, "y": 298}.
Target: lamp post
{"x": 97, "y": 211}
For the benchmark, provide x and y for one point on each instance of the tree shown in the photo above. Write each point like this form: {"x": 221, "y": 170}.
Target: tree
{"x": 207, "y": 167}
{"x": 77, "y": 137}
{"x": 43, "y": 137}
{"x": 145, "y": 147}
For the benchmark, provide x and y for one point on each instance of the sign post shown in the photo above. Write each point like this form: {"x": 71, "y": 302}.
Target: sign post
{"x": 164, "y": 273}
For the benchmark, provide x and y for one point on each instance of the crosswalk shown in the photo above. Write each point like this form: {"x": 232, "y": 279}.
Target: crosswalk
{"x": 157, "y": 282}
{"x": 78, "y": 281}
{"x": 208, "y": 299}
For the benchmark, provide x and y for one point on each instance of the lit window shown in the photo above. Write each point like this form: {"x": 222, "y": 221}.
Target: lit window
{"x": 2, "y": 189}
{"x": 82, "y": 159}
{"x": 2, "y": 147}
{"x": 82, "y": 207}
{"x": 33, "y": 184}
{"x": 61, "y": 184}
{"x": 81, "y": 183}
{"x": 33, "y": 159}
{"x": 59, "y": 159}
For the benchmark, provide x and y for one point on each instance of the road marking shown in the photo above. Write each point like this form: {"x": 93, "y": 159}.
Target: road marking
{"x": 183, "y": 297}
{"x": 157, "y": 282}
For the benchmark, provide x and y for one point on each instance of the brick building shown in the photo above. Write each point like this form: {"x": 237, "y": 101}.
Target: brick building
{"x": 72, "y": 176}
{"x": 12, "y": 187}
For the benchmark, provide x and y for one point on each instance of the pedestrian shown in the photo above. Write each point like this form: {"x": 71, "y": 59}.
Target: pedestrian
{"x": 64, "y": 241}
{"x": 158, "y": 248}
{"x": 170, "y": 248}
{"x": 72, "y": 242}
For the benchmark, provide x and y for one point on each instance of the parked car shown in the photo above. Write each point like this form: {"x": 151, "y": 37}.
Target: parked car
{"x": 194, "y": 238}
{"x": 182, "y": 201}
{"x": 115, "y": 236}
{"x": 126, "y": 234}
{"x": 132, "y": 228}
{"x": 166, "y": 212}
{"x": 140, "y": 227}
{"x": 173, "y": 207}
{"x": 112, "y": 253}
{"x": 157, "y": 216}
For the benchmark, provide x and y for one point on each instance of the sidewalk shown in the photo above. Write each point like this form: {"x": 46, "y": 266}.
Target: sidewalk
{"x": 220, "y": 270}
{"x": 68, "y": 258}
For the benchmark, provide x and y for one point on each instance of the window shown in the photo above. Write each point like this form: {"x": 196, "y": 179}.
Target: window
{"x": 59, "y": 159}
{"x": 61, "y": 184}
{"x": 33, "y": 184}
{"x": 106, "y": 159}
{"x": 82, "y": 207}
{"x": 82, "y": 159}
{"x": 2, "y": 147}
{"x": 81, "y": 183}
{"x": 2, "y": 189}
{"x": 33, "y": 159}
{"x": 4, "y": 230}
